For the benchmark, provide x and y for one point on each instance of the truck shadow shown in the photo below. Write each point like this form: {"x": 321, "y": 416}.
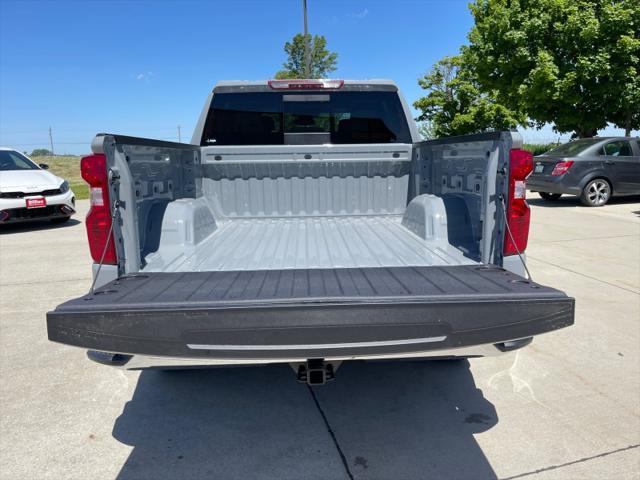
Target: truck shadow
{"x": 573, "y": 201}
{"x": 391, "y": 420}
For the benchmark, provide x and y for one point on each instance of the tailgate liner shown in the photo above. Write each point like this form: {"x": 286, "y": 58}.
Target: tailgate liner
{"x": 309, "y": 313}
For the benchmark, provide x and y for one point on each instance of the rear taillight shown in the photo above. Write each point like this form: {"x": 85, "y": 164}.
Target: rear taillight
{"x": 518, "y": 213}
{"x": 304, "y": 84}
{"x": 561, "y": 168}
{"x": 94, "y": 172}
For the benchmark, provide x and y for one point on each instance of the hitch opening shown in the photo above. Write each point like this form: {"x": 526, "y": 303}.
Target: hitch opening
{"x": 315, "y": 372}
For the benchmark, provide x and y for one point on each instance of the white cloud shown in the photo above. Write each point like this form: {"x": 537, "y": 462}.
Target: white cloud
{"x": 360, "y": 15}
{"x": 144, "y": 76}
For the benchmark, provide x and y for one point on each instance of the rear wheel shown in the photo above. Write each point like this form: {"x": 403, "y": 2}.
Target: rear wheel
{"x": 596, "y": 193}
{"x": 550, "y": 196}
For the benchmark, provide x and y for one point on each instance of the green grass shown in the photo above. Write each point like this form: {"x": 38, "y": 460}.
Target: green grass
{"x": 67, "y": 167}
{"x": 80, "y": 190}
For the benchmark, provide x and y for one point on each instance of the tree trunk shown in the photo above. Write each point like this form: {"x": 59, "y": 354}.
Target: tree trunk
{"x": 627, "y": 125}
{"x": 585, "y": 132}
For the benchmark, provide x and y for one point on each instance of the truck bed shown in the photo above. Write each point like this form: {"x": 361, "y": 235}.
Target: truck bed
{"x": 309, "y": 313}
{"x": 290, "y": 253}
{"x": 307, "y": 243}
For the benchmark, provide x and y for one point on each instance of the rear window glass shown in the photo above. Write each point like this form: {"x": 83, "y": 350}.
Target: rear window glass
{"x": 271, "y": 118}
{"x": 575, "y": 147}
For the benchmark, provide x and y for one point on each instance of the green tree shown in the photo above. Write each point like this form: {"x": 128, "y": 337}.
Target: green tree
{"x": 427, "y": 130}
{"x": 40, "y": 152}
{"x": 573, "y": 63}
{"x": 322, "y": 62}
{"x": 455, "y": 105}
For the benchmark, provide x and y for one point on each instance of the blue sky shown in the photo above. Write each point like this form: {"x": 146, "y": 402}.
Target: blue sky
{"x": 142, "y": 68}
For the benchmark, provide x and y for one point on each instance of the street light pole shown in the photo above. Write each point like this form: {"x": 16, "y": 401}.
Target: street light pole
{"x": 307, "y": 53}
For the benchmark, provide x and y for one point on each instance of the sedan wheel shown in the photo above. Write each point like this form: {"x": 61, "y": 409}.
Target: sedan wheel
{"x": 596, "y": 193}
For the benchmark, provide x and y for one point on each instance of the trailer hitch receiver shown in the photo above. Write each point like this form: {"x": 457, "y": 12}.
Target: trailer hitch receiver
{"x": 315, "y": 372}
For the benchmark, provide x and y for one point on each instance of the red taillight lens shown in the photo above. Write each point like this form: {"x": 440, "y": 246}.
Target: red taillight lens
{"x": 304, "y": 84}
{"x": 561, "y": 168}
{"x": 94, "y": 172}
{"x": 518, "y": 213}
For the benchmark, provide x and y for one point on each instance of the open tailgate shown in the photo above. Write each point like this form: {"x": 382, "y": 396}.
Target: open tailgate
{"x": 315, "y": 313}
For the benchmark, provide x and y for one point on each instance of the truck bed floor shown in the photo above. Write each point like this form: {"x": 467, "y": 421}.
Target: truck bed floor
{"x": 307, "y": 242}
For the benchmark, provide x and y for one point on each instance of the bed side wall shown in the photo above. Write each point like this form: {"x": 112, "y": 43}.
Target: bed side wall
{"x": 466, "y": 173}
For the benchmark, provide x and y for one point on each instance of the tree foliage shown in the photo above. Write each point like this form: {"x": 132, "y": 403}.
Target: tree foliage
{"x": 573, "y": 63}
{"x": 40, "y": 152}
{"x": 455, "y": 104}
{"x": 427, "y": 130}
{"x": 539, "y": 148}
{"x": 322, "y": 62}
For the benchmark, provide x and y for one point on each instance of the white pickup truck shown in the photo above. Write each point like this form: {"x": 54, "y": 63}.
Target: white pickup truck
{"x": 306, "y": 223}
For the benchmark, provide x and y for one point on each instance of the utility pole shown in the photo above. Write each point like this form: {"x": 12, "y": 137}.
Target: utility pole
{"x": 179, "y": 139}
{"x": 307, "y": 52}
{"x": 51, "y": 141}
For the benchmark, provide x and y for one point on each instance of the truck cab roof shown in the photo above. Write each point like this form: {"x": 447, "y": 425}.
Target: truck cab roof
{"x": 250, "y": 85}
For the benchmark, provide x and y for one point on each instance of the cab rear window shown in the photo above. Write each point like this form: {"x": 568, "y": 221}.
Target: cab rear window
{"x": 277, "y": 118}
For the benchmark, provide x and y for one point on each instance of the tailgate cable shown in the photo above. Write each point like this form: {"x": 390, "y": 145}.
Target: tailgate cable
{"x": 515, "y": 245}
{"x": 116, "y": 205}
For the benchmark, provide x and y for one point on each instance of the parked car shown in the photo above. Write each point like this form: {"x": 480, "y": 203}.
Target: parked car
{"x": 595, "y": 169}
{"x": 308, "y": 224}
{"x": 29, "y": 192}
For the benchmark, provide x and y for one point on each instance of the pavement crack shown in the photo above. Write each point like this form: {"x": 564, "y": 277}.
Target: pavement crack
{"x": 331, "y": 433}
{"x": 574, "y": 462}
{"x": 584, "y": 275}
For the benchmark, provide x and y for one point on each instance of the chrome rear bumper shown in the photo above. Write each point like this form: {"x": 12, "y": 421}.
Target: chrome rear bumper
{"x": 139, "y": 362}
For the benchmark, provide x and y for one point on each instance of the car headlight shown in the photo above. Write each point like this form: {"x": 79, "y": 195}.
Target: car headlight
{"x": 64, "y": 187}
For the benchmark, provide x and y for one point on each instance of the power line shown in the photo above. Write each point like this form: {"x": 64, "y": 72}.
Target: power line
{"x": 37, "y": 144}
{"x": 90, "y": 130}
{"x": 44, "y": 143}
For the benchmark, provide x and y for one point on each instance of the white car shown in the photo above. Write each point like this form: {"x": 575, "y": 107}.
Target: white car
{"x": 29, "y": 192}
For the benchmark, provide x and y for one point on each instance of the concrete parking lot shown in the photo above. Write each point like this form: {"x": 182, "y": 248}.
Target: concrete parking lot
{"x": 568, "y": 406}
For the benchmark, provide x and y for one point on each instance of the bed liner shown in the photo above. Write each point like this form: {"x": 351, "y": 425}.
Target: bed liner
{"x": 307, "y": 243}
